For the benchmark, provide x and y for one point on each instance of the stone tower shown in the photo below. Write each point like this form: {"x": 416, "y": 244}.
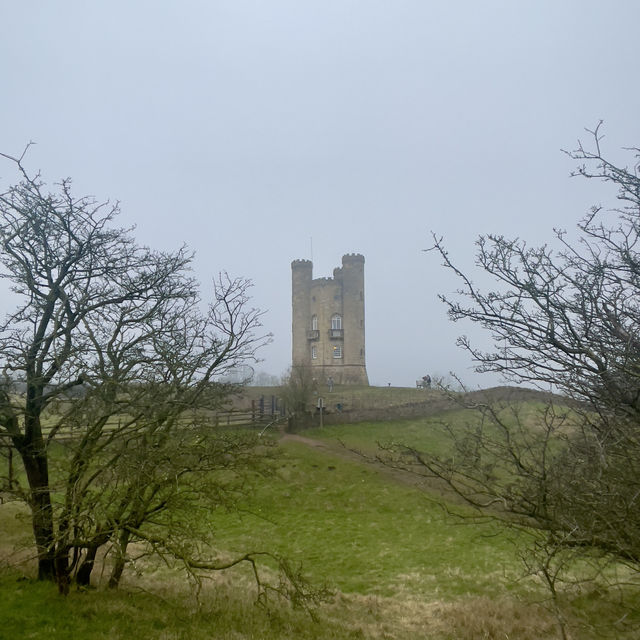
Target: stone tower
{"x": 328, "y": 321}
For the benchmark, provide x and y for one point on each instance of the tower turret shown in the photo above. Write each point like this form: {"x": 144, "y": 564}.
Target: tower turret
{"x": 301, "y": 277}
{"x": 353, "y": 322}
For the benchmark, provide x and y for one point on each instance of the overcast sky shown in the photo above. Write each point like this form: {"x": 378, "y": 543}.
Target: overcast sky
{"x": 258, "y": 132}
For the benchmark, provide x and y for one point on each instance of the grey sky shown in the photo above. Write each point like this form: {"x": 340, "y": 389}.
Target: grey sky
{"x": 247, "y": 128}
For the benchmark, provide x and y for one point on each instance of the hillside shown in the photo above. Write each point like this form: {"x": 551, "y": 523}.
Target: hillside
{"x": 400, "y": 566}
{"x": 348, "y": 404}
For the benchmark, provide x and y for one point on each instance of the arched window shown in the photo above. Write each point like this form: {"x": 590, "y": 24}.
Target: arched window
{"x": 314, "y": 323}
{"x": 336, "y": 321}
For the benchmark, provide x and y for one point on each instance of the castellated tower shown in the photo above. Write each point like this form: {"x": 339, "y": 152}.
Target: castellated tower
{"x": 328, "y": 321}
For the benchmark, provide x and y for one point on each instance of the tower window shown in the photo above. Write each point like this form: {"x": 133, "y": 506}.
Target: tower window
{"x": 314, "y": 353}
{"x": 337, "y": 351}
{"x": 314, "y": 323}
{"x": 336, "y": 323}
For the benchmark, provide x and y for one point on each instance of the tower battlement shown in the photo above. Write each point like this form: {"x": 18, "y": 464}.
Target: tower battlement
{"x": 296, "y": 264}
{"x": 328, "y": 321}
{"x": 353, "y": 257}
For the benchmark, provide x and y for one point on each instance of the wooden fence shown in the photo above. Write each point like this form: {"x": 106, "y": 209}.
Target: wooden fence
{"x": 263, "y": 413}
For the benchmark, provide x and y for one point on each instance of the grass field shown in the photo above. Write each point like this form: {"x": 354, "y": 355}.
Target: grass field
{"x": 364, "y": 533}
{"x": 399, "y": 566}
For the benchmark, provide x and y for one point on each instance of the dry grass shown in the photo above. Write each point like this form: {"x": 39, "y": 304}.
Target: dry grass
{"x": 496, "y": 619}
{"x": 224, "y": 606}
{"x": 229, "y": 598}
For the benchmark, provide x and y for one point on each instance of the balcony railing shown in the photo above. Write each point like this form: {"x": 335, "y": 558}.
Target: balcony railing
{"x": 313, "y": 334}
{"x": 336, "y": 334}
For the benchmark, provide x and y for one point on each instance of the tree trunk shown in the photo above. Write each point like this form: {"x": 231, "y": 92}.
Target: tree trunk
{"x": 62, "y": 570}
{"x": 36, "y": 468}
{"x": 83, "y": 575}
{"x": 121, "y": 557}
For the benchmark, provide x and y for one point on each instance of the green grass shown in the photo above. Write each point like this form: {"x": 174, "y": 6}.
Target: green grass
{"x": 427, "y": 434}
{"x": 391, "y": 552}
{"x": 401, "y": 567}
{"x": 354, "y": 528}
{"x": 34, "y": 610}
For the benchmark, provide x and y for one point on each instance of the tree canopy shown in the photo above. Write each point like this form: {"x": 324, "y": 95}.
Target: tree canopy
{"x": 110, "y": 364}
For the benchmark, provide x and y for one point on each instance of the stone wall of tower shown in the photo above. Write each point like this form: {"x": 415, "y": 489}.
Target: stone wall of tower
{"x": 353, "y": 322}
{"x": 326, "y": 301}
{"x": 301, "y": 277}
{"x": 314, "y": 304}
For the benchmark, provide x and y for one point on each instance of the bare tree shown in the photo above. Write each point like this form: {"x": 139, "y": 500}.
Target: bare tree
{"x": 110, "y": 365}
{"x": 563, "y": 317}
{"x": 566, "y": 317}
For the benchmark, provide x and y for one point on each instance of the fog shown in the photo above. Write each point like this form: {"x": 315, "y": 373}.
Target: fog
{"x": 262, "y": 132}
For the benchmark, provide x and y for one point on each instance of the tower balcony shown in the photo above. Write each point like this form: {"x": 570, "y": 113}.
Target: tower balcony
{"x": 336, "y": 334}
{"x": 313, "y": 334}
